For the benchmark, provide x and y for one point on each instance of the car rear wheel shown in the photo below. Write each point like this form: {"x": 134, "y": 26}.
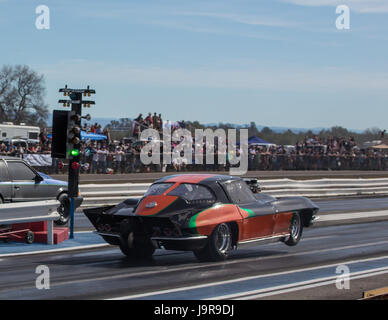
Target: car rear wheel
{"x": 296, "y": 229}
{"x": 63, "y": 210}
{"x": 132, "y": 247}
{"x": 218, "y": 246}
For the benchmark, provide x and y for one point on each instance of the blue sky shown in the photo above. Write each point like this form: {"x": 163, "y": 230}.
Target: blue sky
{"x": 275, "y": 62}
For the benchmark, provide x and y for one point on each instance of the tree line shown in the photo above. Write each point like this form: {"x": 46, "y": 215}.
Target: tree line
{"x": 22, "y": 92}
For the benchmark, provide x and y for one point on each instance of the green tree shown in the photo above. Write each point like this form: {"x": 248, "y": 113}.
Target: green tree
{"x": 22, "y": 93}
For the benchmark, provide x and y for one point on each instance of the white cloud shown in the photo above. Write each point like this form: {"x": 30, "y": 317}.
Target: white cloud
{"x": 362, "y": 6}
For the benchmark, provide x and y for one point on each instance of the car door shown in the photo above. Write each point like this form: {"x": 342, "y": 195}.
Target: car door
{"x": 258, "y": 217}
{"x": 25, "y": 185}
{"x": 282, "y": 219}
{"x": 5, "y": 183}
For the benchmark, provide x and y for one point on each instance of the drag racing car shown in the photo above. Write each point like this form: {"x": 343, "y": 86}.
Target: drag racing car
{"x": 205, "y": 213}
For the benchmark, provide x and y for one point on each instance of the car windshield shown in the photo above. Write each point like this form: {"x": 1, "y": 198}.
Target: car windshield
{"x": 239, "y": 192}
{"x": 45, "y": 176}
{"x": 158, "y": 189}
{"x": 192, "y": 192}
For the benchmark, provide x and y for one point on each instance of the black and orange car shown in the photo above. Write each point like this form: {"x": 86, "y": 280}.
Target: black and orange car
{"x": 204, "y": 213}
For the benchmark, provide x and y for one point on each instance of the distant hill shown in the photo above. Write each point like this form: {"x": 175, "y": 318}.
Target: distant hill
{"x": 283, "y": 129}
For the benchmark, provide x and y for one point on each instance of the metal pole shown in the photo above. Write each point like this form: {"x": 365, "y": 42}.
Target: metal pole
{"x": 71, "y": 218}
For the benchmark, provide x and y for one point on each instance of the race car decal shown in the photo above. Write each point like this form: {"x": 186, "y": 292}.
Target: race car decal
{"x": 247, "y": 213}
{"x": 204, "y": 221}
{"x": 152, "y": 205}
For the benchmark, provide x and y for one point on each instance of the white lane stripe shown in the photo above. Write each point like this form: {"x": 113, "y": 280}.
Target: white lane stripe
{"x": 241, "y": 279}
{"x": 270, "y": 291}
{"x": 354, "y": 215}
{"x": 92, "y": 246}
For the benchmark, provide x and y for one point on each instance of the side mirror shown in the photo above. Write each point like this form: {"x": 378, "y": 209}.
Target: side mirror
{"x": 38, "y": 179}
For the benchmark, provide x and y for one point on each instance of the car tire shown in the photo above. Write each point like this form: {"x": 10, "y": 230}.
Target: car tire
{"x": 218, "y": 246}
{"x": 63, "y": 210}
{"x": 29, "y": 237}
{"x": 130, "y": 247}
{"x": 296, "y": 229}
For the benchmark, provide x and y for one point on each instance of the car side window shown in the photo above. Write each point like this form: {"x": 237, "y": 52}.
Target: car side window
{"x": 158, "y": 189}
{"x": 19, "y": 171}
{"x": 239, "y": 192}
{"x": 192, "y": 192}
{"x": 4, "y": 176}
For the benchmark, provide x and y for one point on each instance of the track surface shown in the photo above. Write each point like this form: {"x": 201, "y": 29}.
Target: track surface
{"x": 105, "y": 273}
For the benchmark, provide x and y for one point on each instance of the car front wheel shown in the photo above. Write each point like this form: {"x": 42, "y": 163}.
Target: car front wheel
{"x": 296, "y": 229}
{"x": 218, "y": 246}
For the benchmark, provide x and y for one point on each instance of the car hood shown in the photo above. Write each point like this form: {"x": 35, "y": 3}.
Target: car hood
{"x": 49, "y": 180}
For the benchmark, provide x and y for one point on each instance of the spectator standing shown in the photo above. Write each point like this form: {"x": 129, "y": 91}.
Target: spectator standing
{"x": 138, "y": 122}
{"x": 119, "y": 155}
{"x": 102, "y": 157}
{"x": 148, "y": 121}
{"x": 43, "y": 136}
{"x": 94, "y": 153}
{"x": 155, "y": 121}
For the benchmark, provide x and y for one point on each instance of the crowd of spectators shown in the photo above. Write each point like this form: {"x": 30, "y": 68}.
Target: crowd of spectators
{"x": 310, "y": 154}
{"x": 150, "y": 121}
{"x": 313, "y": 153}
{"x": 111, "y": 156}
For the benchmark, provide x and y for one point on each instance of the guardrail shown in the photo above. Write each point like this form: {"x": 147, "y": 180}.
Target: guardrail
{"x": 113, "y": 193}
{"x": 21, "y": 212}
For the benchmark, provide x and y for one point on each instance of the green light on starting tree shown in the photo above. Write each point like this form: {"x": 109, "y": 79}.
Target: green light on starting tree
{"x": 74, "y": 153}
